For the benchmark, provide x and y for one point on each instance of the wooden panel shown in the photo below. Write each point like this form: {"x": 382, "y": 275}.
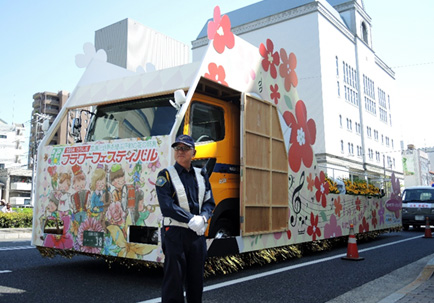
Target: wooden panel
{"x": 258, "y": 151}
{"x": 264, "y": 169}
{"x": 259, "y": 184}
{"x": 275, "y": 122}
{"x": 280, "y": 218}
{"x": 259, "y": 116}
{"x": 280, "y": 158}
{"x": 279, "y": 193}
{"x": 259, "y": 219}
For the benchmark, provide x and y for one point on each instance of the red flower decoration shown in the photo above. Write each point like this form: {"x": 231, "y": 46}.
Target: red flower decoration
{"x": 322, "y": 189}
{"x": 220, "y": 31}
{"x": 216, "y": 73}
{"x": 303, "y": 135}
{"x": 287, "y": 69}
{"x": 275, "y": 95}
{"x": 374, "y": 218}
{"x": 358, "y": 203}
{"x": 338, "y": 206}
{"x": 310, "y": 182}
{"x": 313, "y": 229}
{"x": 364, "y": 227}
{"x": 271, "y": 60}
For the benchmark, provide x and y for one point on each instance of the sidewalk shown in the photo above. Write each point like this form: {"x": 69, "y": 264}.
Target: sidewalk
{"x": 15, "y": 233}
{"x": 420, "y": 290}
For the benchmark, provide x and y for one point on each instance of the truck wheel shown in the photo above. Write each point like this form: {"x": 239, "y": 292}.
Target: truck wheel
{"x": 223, "y": 229}
{"x": 405, "y": 226}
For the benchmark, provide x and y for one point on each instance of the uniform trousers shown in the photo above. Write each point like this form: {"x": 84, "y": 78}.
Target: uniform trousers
{"x": 185, "y": 254}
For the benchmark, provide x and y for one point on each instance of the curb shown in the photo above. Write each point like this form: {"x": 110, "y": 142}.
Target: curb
{"x": 424, "y": 276}
{"x": 15, "y": 233}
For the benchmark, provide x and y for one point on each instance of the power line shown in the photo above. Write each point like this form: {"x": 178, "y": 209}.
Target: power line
{"x": 411, "y": 65}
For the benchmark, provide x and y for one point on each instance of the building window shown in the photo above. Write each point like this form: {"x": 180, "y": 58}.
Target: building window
{"x": 3, "y": 137}
{"x": 364, "y": 32}
{"x": 369, "y": 131}
{"x": 337, "y": 66}
{"x": 376, "y": 135}
{"x": 342, "y": 146}
{"x": 340, "y": 120}
{"x": 339, "y": 89}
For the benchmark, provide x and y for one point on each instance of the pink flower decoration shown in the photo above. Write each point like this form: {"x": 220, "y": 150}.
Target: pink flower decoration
{"x": 322, "y": 189}
{"x": 63, "y": 241}
{"x": 332, "y": 229}
{"x": 115, "y": 214}
{"x": 303, "y": 136}
{"x": 271, "y": 60}
{"x": 313, "y": 229}
{"x": 216, "y": 73}
{"x": 154, "y": 165}
{"x": 287, "y": 69}
{"x": 90, "y": 224}
{"x": 275, "y": 95}
{"x": 220, "y": 31}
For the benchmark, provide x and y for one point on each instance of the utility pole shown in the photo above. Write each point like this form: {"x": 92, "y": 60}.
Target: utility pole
{"x": 43, "y": 121}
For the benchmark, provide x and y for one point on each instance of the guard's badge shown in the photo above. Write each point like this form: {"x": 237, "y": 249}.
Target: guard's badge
{"x": 161, "y": 180}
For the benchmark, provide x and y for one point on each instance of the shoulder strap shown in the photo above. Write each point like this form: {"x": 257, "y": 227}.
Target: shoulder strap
{"x": 179, "y": 188}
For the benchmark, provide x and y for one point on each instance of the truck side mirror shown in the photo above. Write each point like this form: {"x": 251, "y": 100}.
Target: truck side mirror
{"x": 75, "y": 128}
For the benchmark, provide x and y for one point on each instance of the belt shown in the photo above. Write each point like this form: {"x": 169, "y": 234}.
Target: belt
{"x": 173, "y": 222}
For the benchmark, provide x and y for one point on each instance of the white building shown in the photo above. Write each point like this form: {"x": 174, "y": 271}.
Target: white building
{"x": 416, "y": 167}
{"x": 12, "y": 142}
{"x": 347, "y": 87}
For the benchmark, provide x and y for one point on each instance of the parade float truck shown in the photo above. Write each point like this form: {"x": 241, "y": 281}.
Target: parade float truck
{"x": 254, "y": 136}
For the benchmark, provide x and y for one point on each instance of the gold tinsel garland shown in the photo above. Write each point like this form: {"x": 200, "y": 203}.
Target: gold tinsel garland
{"x": 233, "y": 263}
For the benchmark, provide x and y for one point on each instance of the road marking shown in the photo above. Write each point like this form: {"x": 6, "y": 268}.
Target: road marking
{"x": 4, "y": 271}
{"x": 16, "y": 248}
{"x": 280, "y": 270}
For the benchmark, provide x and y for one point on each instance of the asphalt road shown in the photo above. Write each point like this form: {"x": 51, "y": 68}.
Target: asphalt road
{"x": 391, "y": 262}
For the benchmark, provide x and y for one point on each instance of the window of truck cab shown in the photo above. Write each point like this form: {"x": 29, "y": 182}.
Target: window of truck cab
{"x": 133, "y": 119}
{"x": 206, "y": 122}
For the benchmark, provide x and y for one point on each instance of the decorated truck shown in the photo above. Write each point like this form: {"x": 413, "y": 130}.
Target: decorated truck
{"x": 254, "y": 135}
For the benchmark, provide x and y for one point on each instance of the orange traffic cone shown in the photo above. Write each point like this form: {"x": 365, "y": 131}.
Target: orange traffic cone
{"x": 427, "y": 229}
{"x": 352, "y": 251}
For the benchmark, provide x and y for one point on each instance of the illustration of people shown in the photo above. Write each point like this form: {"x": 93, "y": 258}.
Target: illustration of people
{"x": 53, "y": 203}
{"x": 98, "y": 186}
{"x": 117, "y": 179}
{"x": 80, "y": 199}
{"x": 64, "y": 184}
{"x": 144, "y": 210}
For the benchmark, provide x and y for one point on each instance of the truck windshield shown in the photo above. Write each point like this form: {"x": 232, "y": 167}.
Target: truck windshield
{"x": 418, "y": 195}
{"x": 132, "y": 119}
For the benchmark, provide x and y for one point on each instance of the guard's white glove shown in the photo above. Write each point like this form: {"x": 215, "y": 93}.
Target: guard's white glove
{"x": 202, "y": 231}
{"x": 196, "y": 223}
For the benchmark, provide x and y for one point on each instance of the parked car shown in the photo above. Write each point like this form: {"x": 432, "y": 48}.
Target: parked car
{"x": 417, "y": 205}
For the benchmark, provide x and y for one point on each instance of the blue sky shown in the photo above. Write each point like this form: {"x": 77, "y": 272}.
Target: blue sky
{"x": 41, "y": 38}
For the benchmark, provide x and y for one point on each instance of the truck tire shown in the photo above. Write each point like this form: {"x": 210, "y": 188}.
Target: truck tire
{"x": 223, "y": 228}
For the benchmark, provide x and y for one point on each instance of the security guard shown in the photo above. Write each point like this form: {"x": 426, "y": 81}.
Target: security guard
{"x": 186, "y": 202}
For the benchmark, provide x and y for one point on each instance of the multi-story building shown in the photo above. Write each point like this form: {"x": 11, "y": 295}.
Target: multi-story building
{"x": 12, "y": 140}
{"x": 347, "y": 87}
{"x": 416, "y": 167}
{"x": 132, "y": 45}
{"x": 17, "y": 186}
{"x": 46, "y": 105}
